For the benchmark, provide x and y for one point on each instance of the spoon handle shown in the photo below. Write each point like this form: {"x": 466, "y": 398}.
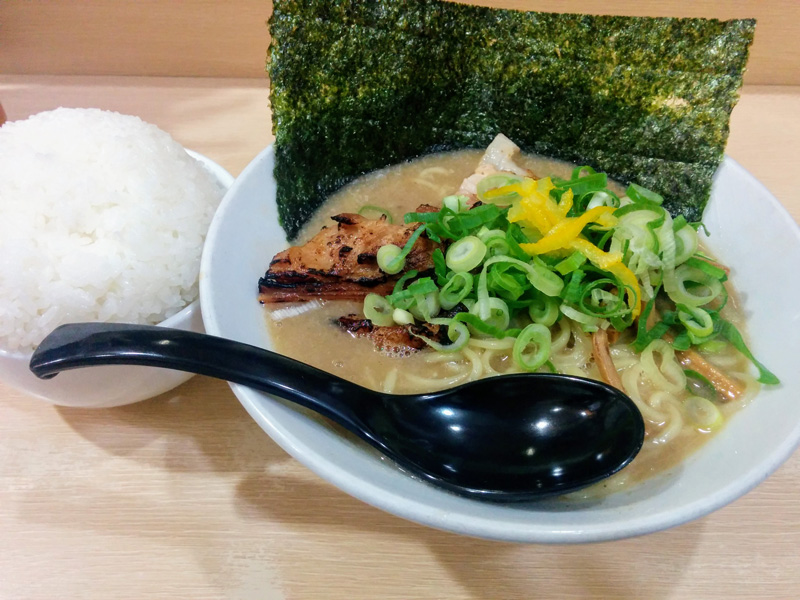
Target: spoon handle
{"x": 78, "y": 345}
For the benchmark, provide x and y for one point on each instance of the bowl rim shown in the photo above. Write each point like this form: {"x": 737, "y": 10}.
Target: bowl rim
{"x": 421, "y": 512}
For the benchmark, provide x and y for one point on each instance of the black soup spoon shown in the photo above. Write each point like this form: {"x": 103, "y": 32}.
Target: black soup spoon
{"x": 507, "y": 438}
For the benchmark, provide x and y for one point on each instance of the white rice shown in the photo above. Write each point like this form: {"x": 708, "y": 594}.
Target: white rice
{"x": 102, "y": 218}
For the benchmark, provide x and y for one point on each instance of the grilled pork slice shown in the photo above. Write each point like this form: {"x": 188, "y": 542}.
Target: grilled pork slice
{"x": 393, "y": 339}
{"x": 340, "y": 262}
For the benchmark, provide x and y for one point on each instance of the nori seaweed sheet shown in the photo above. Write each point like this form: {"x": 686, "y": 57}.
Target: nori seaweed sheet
{"x": 360, "y": 85}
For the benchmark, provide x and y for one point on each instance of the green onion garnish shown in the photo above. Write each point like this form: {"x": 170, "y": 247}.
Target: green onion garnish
{"x": 402, "y": 317}
{"x": 388, "y": 259}
{"x": 544, "y": 310}
{"x": 702, "y": 412}
{"x": 455, "y": 290}
{"x": 457, "y": 333}
{"x": 729, "y": 332}
{"x": 641, "y": 194}
{"x": 394, "y": 259}
{"x": 481, "y": 265}
{"x": 694, "y": 286}
{"x": 465, "y": 254}
{"x": 532, "y": 347}
{"x": 498, "y": 180}
{"x": 378, "y": 310}
{"x": 370, "y": 209}
{"x": 697, "y": 321}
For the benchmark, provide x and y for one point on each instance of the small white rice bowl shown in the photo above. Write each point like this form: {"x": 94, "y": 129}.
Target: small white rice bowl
{"x": 102, "y": 218}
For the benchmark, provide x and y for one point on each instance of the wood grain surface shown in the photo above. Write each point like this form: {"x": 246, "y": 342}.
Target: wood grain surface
{"x": 209, "y": 38}
{"x": 183, "y": 496}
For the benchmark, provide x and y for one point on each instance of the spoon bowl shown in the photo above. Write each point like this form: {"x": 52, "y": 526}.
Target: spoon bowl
{"x": 511, "y": 438}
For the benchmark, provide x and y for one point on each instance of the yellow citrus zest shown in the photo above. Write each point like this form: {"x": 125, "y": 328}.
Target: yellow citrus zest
{"x": 537, "y": 210}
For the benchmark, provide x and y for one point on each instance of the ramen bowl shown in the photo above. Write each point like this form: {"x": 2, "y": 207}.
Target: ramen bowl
{"x": 748, "y": 229}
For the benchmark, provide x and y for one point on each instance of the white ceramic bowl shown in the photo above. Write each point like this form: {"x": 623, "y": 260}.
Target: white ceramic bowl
{"x": 749, "y": 230}
{"x": 104, "y": 387}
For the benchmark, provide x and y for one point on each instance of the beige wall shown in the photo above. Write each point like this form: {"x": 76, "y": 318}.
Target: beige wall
{"x": 219, "y": 38}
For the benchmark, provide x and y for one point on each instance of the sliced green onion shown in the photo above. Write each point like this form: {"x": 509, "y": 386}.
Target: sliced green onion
{"x": 667, "y": 246}
{"x": 577, "y": 172}
{"x": 492, "y": 311}
{"x": 368, "y": 209}
{"x": 457, "y": 333}
{"x": 476, "y": 324}
{"x": 499, "y": 315}
{"x": 469, "y": 303}
{"x": 703, "y": 412}
{"x": 515, "y": 237}
{"x": 402, "y": 317}
{"x": 712, "y": 346}
{"x": 686, "y": 240}
{"x": 659, "y": 250}
{"x": 682, "y": 341}
{"x": 638, "y": 193}
{"x": 482, "y": 305}
{"x": 730, "y": 333}
{"x": 439, "y": 266}
{"x": 447, "y": 224}
{"x": 697, "y": 321}
{"x": 402, "y": 281}
{"x": 710, "y": 269}
{"x": 378, "y": 310}
{"x": 629, "y": 207}
{"x": 498, "y": 180}
{"x": 587, "y": 322}
{"x": 507, "y": 282}
{"x": 544, "y": 310}
{"x": 495, "y": 240}
{"x": 572, "y": 291}
{"x": 699, "y": 280}
{"x": 456, "y": 203}
{"x": 497, "y": 246}
{"x": 594, "y": 182}
{"x": 603, "y": 198}
{"x": 396, "y": 264}
{"x": 466, "y": 222}
{"x": 433, "y": 221}
{"x": 484, "y": 234}
{"x": 540, "y": 277}
{"x": 455, "y": 290}
{"x": 700, "y": 385}
{"x": 572, "y": 262}
{"x": 388, "y": 259}
{"x": 465, "y": 254}
{"x": 665, "y": 373}
{"x": 636, "y": 227}
{"x": 405, "y": 298}
{"x": 425, "y": 306}
{"x": 423, "y": 285}
{"x": 596, "y": 301}
{"x": 532, "y": 347}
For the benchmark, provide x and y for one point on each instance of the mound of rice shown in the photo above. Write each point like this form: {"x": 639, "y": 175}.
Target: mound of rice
{"x": 102, "y": 218}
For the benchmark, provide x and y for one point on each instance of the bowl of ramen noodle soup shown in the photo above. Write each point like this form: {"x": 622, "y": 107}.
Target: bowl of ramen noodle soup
{"x": 474, "y": 264}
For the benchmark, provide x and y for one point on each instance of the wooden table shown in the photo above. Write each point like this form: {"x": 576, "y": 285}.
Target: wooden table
{"x": 183, "y": 496}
